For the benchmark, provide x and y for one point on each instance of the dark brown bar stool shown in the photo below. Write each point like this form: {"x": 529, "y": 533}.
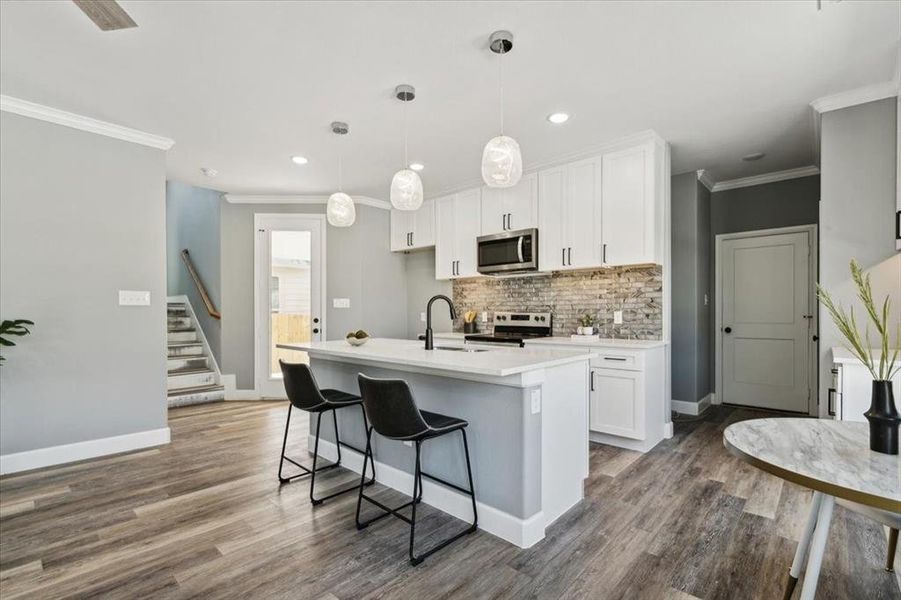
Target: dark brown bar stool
{"x": 393, "y": 413}
{"x": 304, "y": 394}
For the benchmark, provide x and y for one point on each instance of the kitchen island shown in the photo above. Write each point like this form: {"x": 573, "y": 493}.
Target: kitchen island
{"x": 528, "y": 426}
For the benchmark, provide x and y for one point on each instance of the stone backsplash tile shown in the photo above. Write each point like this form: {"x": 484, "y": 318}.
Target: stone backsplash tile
{"x": 637, "y": 291}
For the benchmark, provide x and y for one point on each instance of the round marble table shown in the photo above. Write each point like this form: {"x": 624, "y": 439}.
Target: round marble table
{"x": 832, "y": 458}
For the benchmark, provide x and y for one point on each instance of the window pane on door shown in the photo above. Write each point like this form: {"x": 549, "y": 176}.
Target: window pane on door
{"x": 290, "y": 284}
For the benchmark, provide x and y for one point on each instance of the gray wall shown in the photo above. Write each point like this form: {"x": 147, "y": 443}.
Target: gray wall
{"x": 858, "y": 164}
{"x": 422, "y": 285}
{"x": 81, "y": 217}
{"x": 192, "y": 223}
{"x": 359, "y": 266}
{"x": 691, "y": 269}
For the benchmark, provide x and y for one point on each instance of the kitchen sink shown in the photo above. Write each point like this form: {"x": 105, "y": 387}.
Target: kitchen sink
{"x": 461, "y": 349}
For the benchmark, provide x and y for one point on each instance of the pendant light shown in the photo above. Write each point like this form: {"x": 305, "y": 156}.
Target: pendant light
{"x": 501, "y": 159}
{"x": 406, "y": 186}
{"x": 340, "y": 210}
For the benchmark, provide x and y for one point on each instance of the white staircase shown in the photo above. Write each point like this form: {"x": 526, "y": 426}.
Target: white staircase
{"x": 193, "y": 378}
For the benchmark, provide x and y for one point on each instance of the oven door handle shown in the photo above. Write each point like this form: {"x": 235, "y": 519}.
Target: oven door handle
{"x": 519, "y": 244}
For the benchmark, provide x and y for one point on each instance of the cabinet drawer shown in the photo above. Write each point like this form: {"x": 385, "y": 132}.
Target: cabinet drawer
{"x": 618, "y": 359}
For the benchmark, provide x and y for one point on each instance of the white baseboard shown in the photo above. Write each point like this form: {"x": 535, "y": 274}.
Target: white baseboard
{"x": 520, "y": 532}
{"x": 57, "y": 455}
{"x": 668, "y": 430}
{"x": 622, "y": 442}
{"x": 233, "y": 393}
{"x": 693, "y": 408}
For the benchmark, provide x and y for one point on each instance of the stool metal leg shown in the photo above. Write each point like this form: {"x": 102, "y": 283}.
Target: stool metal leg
{"x": 304, "y": 470}
{"x": 338, "y": 444}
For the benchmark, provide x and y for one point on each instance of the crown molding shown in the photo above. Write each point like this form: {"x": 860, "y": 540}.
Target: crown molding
{"x": 766, "y": 178}
{"x": 861, "y": 95}
{"x": 312, "y": 199}
{"x": 706, "y": 180}
{"x": 40, "y": 112}
{"x": 621, "y": 143}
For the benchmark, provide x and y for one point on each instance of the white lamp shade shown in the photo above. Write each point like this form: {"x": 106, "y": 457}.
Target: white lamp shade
{"x": 406, "y": 190}
{"x": 501, "y": 162}
{"x": 340, "y": 210}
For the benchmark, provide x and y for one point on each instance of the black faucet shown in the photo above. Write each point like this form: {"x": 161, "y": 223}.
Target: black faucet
{"x": 429, "y": 342}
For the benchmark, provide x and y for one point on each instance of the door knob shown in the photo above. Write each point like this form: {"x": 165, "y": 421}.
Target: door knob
{"x": 728, "y": 330}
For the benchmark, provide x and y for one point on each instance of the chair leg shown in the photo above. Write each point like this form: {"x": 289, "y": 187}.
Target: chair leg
{"x": 892, "y": 546}
{"x": 305, "y": 472}
{"x": 417, "y": 494}
{"x": 281, "y": 461}
{"x": 315, "y": 457}
{"x": 337, "y": 438}
{"x": 472, "y": 488}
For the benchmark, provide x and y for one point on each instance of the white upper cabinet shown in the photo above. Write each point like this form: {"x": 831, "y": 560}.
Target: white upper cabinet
{"x": 629, "y": 198}
{"x": 413, "y": 229}
{"x": 456, "y": 230}
{"x": 508, "y": 209}
{"x": 569, "y": 209}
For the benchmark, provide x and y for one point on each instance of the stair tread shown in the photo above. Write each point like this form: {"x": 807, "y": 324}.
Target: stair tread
{"x": 182, "y": 330}
{"x": 196, "y": 390}
{"x": 190, "y": 371}
{"x": 185, "y": 343}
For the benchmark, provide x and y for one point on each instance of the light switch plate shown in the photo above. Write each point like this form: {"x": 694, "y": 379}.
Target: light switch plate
{"x": 340, "y": 302}
{"x": 422, "y": 317}
{"x": 536, "y": 402}
{"x": 617, "y": 317}
{"x": 484, "y": 316}
{"x": 134, "y": 298}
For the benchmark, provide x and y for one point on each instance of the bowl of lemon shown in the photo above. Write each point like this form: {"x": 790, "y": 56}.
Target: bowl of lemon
{"x": 357, "y": 338}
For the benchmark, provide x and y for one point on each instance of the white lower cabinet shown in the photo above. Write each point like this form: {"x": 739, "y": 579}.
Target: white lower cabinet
{"x": 616, "y": 403}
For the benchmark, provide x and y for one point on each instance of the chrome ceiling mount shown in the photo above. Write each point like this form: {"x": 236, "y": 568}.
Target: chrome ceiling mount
{"x": 501, "y": 42}
{"x": 340, "y": 127}
{"x": 405, "y": 93}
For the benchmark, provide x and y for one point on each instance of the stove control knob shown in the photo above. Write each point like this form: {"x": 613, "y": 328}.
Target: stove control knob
{"x": 543, "y": 318}
{"x": 536, "y": 317}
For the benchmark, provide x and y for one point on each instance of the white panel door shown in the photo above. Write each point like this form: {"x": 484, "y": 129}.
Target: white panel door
{"x": 584, "y": 214}
{"x": 289, "y": 288}
{"x": 551, "y": 215}
{"x": 616, "y": 403}
{"x": 508, "y": 209}
{"x": 423, "y": 225}
{"x": 766, "y": 318}
{"x": 445, "y": 240}
{"x": 467, "y": 208}
{"x": 628, "y": 206}
{"x": 401, "y": 226}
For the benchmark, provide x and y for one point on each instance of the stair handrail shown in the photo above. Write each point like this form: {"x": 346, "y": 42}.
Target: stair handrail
{"x": 207, "y": 302}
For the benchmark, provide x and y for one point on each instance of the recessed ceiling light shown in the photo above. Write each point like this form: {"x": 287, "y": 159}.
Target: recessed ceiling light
{"x": 417, "y": 166}
{"x": 209, "y": 172}
{"x": 558, "y": 118}
{"x": 753, "y": 157}
{"x": 299, "y": 160}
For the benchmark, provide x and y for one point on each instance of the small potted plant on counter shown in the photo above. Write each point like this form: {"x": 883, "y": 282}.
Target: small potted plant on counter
{"x": 469, "y": 321}
{"x": 882, "y": 414}
{"x": 586, "y": 325}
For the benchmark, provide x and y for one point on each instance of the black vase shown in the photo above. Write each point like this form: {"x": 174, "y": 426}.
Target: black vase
{"x": 883, "y": 418}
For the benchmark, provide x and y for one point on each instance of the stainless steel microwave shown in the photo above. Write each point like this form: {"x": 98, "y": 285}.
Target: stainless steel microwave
{"x": 508, "y": 252}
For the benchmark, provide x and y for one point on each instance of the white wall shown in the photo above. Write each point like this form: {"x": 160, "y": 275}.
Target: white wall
{"x": 858, "y": 170}
{"x": 81, "y": 217}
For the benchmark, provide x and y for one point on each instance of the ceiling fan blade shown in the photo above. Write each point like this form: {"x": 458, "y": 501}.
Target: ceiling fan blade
{"x": 106, "y": 14}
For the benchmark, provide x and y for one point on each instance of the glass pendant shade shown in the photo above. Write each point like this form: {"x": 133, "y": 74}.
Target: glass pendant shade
{"x": 406, "y": 190}
{"x": 340, "y": 210}
{"x": 501, "y": 162}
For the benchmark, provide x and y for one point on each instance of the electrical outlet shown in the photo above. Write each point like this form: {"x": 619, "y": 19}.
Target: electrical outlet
{"x": 484, "y": 316}
{"x": 536, "y": 402}
{"x": 422, "y": 317}
{"x": 408, "y": 443}
{"x": 134, "y": 298}
{"x": 617, "y": 317}
{"x": 340, "y": 302}
{"x": 706, "y": 300}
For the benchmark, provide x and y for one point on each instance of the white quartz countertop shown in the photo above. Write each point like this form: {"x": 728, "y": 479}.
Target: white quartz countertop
{"x": 494, "y": 361}
{"x": 566, "y": 341}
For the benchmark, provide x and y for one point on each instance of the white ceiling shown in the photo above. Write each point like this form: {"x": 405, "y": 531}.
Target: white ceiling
{"x": 243, "y": 86}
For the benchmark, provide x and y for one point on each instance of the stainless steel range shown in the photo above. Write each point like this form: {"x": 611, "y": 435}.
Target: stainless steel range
{"x": 514, "y": 328}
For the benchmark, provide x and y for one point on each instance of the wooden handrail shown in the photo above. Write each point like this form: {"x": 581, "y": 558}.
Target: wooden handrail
{"x": 210, "y": 309}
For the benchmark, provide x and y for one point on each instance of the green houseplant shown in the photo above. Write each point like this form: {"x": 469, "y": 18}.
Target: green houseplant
{"x": 586, "y": 324}
{"x": 882, "y": 363}
{"x": 16, "y": 327}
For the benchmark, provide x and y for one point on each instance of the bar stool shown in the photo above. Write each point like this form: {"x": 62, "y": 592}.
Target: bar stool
{"x": 304, "y": 394}
{"x": 391, "y": 409}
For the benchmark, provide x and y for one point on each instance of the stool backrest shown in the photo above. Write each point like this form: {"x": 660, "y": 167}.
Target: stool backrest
{"x": 390, "y": 408}
{"x": 300, "y": 385}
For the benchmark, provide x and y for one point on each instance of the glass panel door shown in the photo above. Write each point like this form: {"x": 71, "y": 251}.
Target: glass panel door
{"x": 289, "y": 283}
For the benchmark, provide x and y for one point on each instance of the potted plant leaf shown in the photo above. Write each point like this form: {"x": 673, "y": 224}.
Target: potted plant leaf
{"x": 586, "y": 325}
{"x": 882, "y": 362}
{"x": 16, "y": 327}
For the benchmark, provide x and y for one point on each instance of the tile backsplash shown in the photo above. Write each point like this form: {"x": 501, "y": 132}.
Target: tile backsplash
{"x": 637, "y": 291}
